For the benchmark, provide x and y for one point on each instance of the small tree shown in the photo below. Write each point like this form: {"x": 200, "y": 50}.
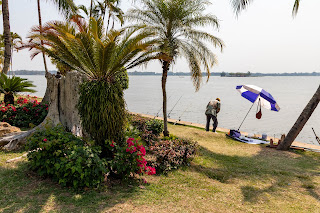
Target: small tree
{"x": 11, "y": 86}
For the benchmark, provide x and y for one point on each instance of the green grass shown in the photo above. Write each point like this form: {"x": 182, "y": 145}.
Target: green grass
{"x": 226, "y": 176}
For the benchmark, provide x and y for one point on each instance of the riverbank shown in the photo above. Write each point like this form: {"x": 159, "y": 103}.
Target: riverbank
{"x": 225, "y": 176}
{"x": 299, "y": 145}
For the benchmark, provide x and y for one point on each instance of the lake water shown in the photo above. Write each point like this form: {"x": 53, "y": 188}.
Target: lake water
{"x": 291, "y": 93}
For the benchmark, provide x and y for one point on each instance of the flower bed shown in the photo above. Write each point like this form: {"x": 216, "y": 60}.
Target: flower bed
{"x": 25, "y": 113}
{"x": 169, "y": 152}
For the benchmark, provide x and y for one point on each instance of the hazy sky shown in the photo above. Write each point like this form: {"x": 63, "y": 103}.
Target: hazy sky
{"x": 265, "y": 38}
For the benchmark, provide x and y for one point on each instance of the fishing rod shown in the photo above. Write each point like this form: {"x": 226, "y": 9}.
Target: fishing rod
{"x": 174, "y": 106}
{"x": 179, "y": 119}
{"x": 161, "y": 108}
{"x": 317, "y": 138}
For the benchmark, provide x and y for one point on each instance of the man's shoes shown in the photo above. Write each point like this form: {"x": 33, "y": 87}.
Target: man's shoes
{"x": 215, "y": 132}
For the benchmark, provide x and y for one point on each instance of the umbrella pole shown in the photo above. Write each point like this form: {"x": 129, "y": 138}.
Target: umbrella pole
{"x": 246, "y": 116}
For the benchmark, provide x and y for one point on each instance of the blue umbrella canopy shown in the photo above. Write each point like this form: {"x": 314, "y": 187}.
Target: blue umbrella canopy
{"x": 255, "y": 94}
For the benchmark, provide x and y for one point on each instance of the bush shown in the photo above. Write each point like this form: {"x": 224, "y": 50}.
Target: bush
{"x": 139, "y": 122}
{"x": 102, "y": 110}
{"x": 156, "y": 126}
{"x": 25, "y": 113}
{"x": 67, "y": 159}
{"x": 129, "y": 159}
{"x": 171, "y": 154}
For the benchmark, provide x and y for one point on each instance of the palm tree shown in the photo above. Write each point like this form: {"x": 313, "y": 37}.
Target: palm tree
{"x": 66, "y": 7}
{"x": 13, "y": 85}
{"x": 99, "y": 9}
{"x": 7, "y": 36}
{"x": 102, "y": 57}
{"x": 239, "y": 5}
{"x": 175, "y": 25}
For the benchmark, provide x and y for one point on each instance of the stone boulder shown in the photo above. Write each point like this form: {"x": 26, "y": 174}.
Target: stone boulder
{"x": 6, "y": 128}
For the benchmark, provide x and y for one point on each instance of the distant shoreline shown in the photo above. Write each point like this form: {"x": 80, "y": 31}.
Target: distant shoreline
{"x": 33, "y": 72}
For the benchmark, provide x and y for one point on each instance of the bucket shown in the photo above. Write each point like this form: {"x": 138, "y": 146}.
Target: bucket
{"x": 264, "y": 136}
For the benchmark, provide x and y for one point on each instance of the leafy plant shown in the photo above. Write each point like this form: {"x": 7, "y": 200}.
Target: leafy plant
{"x": 171, "y": 154}
{"x": 55, "y": 153}
{"x": 155, "y": 126}
{"x": 13, "y": 85}
{"x": 129, "y": 159}
{"x": 26, "y": 113}
{"x": 102, "y": 110}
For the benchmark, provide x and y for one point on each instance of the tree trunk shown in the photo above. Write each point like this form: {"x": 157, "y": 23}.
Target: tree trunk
{"x": 165, "y": 68}
{"x": 64, "y": 96}
{"x": 8, "y": 98}
{"x": 46, "y": 95}
{"x": 90, "y": 12}
{"x": 7, "y": 36}
{"x": 302, "y": 120}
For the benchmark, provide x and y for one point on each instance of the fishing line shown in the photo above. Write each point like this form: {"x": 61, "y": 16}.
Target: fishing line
{"x": 179, "y": 119}
{"x": 162, "y": 107}
{"x": 174, "y": 106}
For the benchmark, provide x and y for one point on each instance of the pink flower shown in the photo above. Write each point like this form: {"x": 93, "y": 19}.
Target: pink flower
{"x": 142, "y": 151}
{"x": 150, "y": 170}
{"x": 45, "y": 140}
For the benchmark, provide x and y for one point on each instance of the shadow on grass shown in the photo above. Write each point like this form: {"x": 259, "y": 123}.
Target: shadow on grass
{"x": 267, "y": 172}
{"x": 24, "y": 191}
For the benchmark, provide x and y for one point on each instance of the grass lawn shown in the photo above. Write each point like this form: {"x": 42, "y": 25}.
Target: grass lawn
{"x": 226, "y": 176}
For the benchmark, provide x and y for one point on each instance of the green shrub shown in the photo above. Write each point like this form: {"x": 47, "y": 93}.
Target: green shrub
{"x": 138, "y": 122}
{"x": 24, "y": 113}
{"x": 102, "y": 110}
{"x": 67, "y": 159}
{"x": 171, "y": 154}
{"x": 156, "y": 126}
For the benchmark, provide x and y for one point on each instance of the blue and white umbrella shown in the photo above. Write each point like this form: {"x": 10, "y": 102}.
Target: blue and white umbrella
{"x": 257, "y": 95}
{"x": 254, "y": 93}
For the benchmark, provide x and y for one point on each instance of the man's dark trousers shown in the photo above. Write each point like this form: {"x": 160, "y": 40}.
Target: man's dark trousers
{"x": 215, "y": 122}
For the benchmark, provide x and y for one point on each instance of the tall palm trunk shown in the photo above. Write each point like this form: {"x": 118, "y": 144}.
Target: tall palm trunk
{"x": 40, "y": 25}
{"x": 46, "y": 95}
{"x": 90, "y": 12}
{"x": 7, "y": 36}
{"x": 165, "y": 68}
{"x": 302, "y": 120}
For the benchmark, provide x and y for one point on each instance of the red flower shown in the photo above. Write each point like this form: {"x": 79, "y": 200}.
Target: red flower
{"x": 151, "y": 170}
{"x": 142, "y": 151}
{"x": 45, "y": 140}
{"x": 112, "y": 144}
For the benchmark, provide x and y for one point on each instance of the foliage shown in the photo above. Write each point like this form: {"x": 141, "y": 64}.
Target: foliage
{"x": 67, "y": 159}
{"x": 88, "y": 49}
{"x": 123, "y": 79}
{"x": 129, "y": 159}
{"x": 155, "y": 126}
{"x": 175, "y": 24}
{"x": 171, "y": 154}
{"x": 13, "y": 85}
{"x": 239, "y": 5}
{"x": 102, "y": 110}
{"x": 141, "y": 124}
{"x": 26, "y": 113}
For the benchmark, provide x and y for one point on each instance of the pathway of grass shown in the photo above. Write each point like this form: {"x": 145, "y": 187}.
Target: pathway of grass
{"x": 227, "y": 176}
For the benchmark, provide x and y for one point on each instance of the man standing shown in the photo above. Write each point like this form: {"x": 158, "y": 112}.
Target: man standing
{"x": 213, "y": 108}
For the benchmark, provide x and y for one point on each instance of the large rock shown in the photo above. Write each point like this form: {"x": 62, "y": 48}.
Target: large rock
{"x": 6, "y": 128}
